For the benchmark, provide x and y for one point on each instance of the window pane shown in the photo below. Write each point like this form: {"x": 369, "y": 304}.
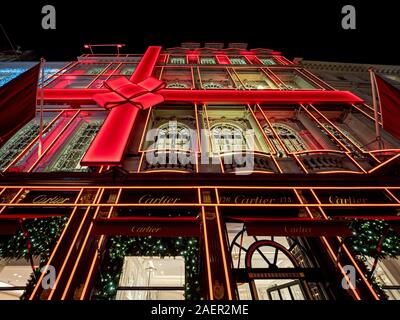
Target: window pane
{"x": 237, "y": 60}
{"x": 294, "y": 81}
{"x": 71, "y": 147}
{"x": 70, "y": 81}
{"x": 177, "y": 78}
{"x": 152, "y": 272}
{"x": 87, "y": 69}
{"x": 18, "y": 142}
{"x": 177, "y": 60}
{"x": 267, "y": 61}
{"x": 216, "y": 79}
{"x": 13, "y": 273}
{"x": 255, "y": 80}
{"x": 150, "y": 295}
{"x": 207, "y": 60}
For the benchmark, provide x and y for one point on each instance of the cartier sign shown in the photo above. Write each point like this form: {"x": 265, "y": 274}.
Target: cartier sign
{"x": 160, "y": 197}
{"x": 302, "y": 228}
{"x": 53, "y": 200}
{"x": 49, "y": 197}
{"x": 353, "y": 197}
{"x": 334, "y": 199}
{"x": 257, "y": 197}
{"x": 143, "y": 227}
{"x": 154, "y": 199}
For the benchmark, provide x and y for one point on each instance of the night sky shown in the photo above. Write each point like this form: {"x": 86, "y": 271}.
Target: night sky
{"x": 303, "y": 29}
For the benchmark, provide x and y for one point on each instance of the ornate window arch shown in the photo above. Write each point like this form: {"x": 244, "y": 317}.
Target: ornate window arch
{"x": 262, "y": 265}
{"x": 228, "y": 137}
{"x": 289, "y": 137}
{"x": 173, "y": 135}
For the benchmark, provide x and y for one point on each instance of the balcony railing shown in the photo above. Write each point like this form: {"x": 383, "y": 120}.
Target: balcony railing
{"x": 248, "y": 161}
{"x": 315, "y": 161}
{"x": 168, "y": 160}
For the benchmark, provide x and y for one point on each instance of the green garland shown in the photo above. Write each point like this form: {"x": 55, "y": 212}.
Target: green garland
{"x": 362, "y": 261}
{"x": 364, "y": 243}
{"x": 121, "y": 246}
{"x": 43, "y": 234}
{"x": 366, "y": 236}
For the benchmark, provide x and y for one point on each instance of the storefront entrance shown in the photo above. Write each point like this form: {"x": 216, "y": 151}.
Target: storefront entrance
{"x": 274, "y": 268}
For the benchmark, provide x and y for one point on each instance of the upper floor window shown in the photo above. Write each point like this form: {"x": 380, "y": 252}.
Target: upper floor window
{"x": 173, "y": 136}
{"x": 72, "y": 153}
{"x": 267, "y": 61}
{"x": 292, "y": 80}
{"x": 289, "y": 137}
{"x": 177, "y": 60}
{"x": 213, "y": 85}
{"x": 237, "y": 60}
{"x": 207, "y": 60}
{"x": 340, "y": 137}
{"x": 227, "y": 137}
{"x": 176, "y": 85}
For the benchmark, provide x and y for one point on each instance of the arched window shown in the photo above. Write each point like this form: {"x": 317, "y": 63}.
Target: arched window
{"x": 261, "y": 265}
{"x": 290, "y": 138}
{"x": 228, "y": 137}
{"x": 173, "y": 136}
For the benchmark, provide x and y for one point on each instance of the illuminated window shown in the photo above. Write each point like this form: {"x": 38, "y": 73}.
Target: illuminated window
{"x": 14, "y": 275}
{"x": 254, "y": 80}
{"x": 267, "y": 61}
{"x": 237, "y": 60}
{"x": 292, "y": 80}
{"x": 70, "y": 157}
{"x": 175, "y": 78}
{"x": 176, "y": 85}
{"x": 173, "y": 136}
{"x": 177, "y": 60}
{"x": 126, "y": 69}
{"x": 207, "y": 60}
{"x": 227, "y": 137}
{"x": 215, "y": 78}
{"x": 275, "y": 254}
{"x": 289, "y": 137}
{"x": 18, "y": 142}
{"x": 387, "y": 273}
{"x": 152, "y": 278}
{"x": 87, "y": 69}
{"x": 7, "y": 74}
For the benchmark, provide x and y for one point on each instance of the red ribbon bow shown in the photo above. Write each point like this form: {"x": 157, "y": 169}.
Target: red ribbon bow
{"x": 141, "y": 95}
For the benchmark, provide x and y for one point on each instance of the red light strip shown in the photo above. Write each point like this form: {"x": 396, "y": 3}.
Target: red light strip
{"x": 109, "y": 145}
{"x": 146, "y": 64}
{"x": 85, "y": 96}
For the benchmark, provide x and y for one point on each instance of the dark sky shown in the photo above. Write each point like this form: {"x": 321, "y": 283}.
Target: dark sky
{"x": 311, "y": 30}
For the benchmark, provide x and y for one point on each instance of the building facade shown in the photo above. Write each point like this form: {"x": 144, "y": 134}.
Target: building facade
{"x": 198, "y": 173}
{"x": 352, "y": 76}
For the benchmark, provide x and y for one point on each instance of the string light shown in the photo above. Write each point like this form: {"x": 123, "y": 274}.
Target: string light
{"x": 43, "y": 234}
{"x": 366, "y": 237}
